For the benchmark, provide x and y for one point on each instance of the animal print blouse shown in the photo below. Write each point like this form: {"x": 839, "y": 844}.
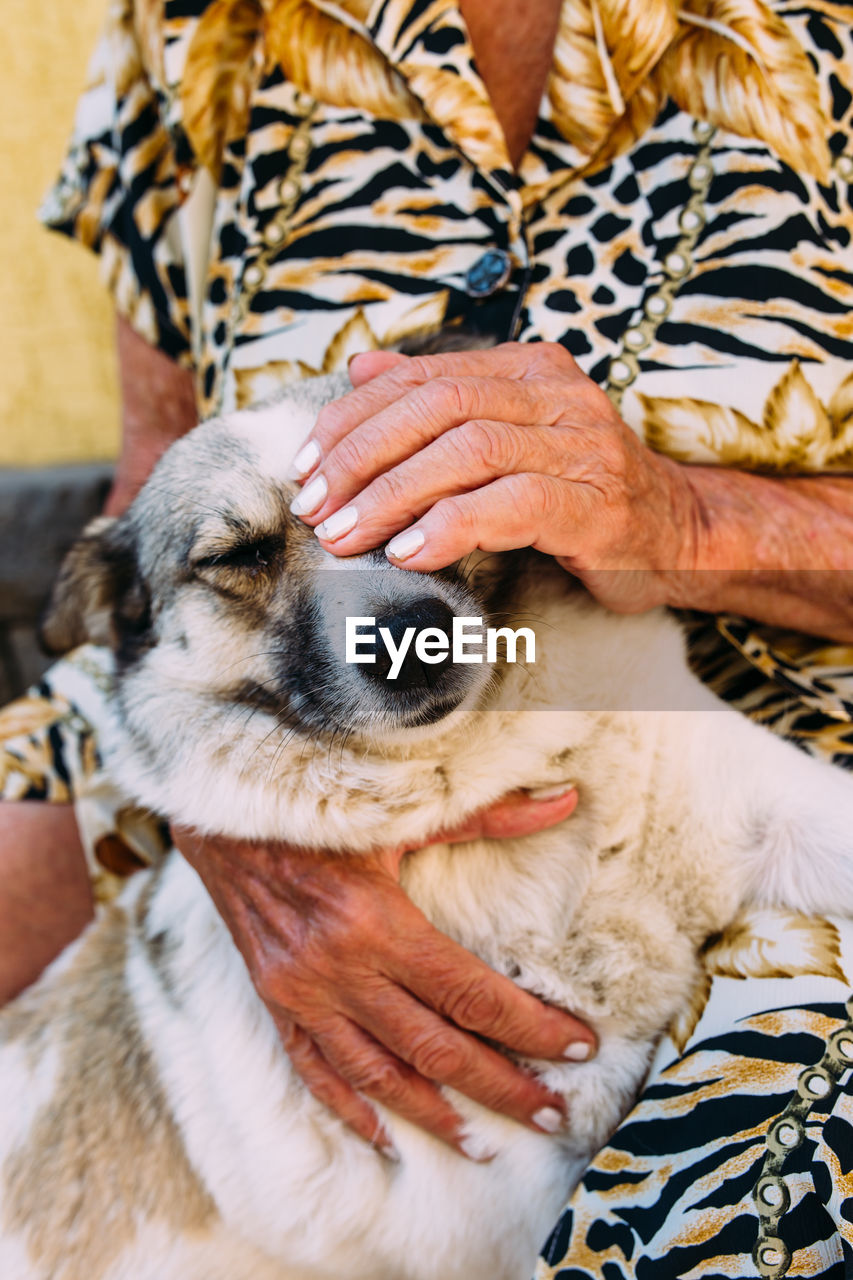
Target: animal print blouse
{"x": 273, "y": 185}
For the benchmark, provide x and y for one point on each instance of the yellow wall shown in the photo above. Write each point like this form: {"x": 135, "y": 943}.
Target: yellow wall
{"x": 58, "y": 396}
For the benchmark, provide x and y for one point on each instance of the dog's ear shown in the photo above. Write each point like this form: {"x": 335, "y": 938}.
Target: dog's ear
{"x": 98, "y": 596}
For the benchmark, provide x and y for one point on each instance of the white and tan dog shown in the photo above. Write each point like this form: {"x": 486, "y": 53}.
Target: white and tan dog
{"x": 153, "y": 1128}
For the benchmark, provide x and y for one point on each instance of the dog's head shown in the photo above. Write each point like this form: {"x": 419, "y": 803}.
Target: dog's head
{"x": 220, "y": 605}
{"x": 243, "y": 701}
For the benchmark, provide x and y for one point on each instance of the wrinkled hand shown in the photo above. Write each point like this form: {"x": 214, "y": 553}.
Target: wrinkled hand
{"x": 370, "y": 1000}
{"x": 511, "y": 447}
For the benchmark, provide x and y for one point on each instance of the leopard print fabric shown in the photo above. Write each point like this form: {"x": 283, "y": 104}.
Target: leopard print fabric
{"x": 736, "y": 1161}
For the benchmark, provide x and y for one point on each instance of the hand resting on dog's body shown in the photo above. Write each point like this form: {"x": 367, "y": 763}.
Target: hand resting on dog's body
{"x": 756, "y": 533}
{"x": 682, "y": 819}
{"x": 362, "y": 987}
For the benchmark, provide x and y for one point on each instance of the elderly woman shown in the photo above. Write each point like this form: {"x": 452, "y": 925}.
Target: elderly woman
{"x": 650, "y": 207}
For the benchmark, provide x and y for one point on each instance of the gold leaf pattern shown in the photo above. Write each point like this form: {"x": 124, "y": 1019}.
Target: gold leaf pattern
{"x": 640, "y": 114}
{"x": 841, "y": 411}
{"x": 354, "y": 336}
{"x": 776, "y": 944}
{"x": 797, "y": 419}
{"x": 761, "y": 944}
{"x": 771, "y": 93}
{"x": 585, "y": 114}
{"x": 358, "y": 9}
{"x": 254, "y": 385}
{"x": 105, "y": 194}
{"x": 694, "y": 430}
{"x": 124, "y": 62}
{"x": 797, "y": 434}
{"x": 221, "y": 68}
{"x": 29, "y": 714}
{"x": 330, "y": 61}
{"x": 635, "y": 36}
{"x": 148, "y": 21}
{"x": 423, "y": 318}
{"x": 735, "y": 63}
{"x": 463, "y": 112}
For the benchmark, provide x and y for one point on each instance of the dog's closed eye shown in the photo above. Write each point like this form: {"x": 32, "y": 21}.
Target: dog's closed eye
{"x": 248, "y": 557}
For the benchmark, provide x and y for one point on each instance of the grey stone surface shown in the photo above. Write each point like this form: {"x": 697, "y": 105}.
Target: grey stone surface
{"x": 41, "y": 512}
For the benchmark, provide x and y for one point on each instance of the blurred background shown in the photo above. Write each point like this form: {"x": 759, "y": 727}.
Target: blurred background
{"x": 59, "y": 423}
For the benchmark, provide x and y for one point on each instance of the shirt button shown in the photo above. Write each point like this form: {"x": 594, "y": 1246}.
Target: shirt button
{"x": 274, "y": 233}
{"x": 488, "y": 273}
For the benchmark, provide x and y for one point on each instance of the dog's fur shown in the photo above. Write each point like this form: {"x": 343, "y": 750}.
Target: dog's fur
{"x": 153, "y": 1127}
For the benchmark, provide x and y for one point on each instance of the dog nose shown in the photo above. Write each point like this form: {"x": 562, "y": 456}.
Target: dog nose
{"x": 423, "y": 612}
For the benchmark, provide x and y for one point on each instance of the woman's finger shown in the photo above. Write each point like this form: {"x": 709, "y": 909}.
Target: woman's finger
{"x": 368, "y": 365}
{"x": 513, "y": 360}
{"x": 514, "y": 511}
{"x": 340, "y": 968}
{"x": 371, "y": 1070}
{"x": 517, "y": 814}
{"x": 464, "y": 990}
{"x": 464, "y": 458}
{"x": 411, "y": 424}
{"x": 441, "y": 1053}
{"x": 330, "y": 1089}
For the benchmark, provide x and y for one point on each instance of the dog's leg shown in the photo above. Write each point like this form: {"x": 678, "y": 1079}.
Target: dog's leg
{"x": 786, "y": 818}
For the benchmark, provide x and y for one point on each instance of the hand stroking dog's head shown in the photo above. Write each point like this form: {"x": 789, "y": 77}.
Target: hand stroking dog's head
{"x": 239, "y": 640}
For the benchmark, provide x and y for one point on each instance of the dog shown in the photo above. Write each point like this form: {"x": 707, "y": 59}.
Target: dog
{"x": 154, "y": 1127}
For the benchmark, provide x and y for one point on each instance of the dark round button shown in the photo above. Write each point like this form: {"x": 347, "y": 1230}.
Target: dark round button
{"x": 488, "y": 273}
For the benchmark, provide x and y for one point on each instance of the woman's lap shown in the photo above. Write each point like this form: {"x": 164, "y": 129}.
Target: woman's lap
{"x": 737, "y": 1159}
{"x": 674, "y": 1192}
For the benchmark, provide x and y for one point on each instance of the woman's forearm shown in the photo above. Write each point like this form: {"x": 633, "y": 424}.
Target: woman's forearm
{"x": 779, "y": 550}
{"x": 45, "y": 896}
{"x": 158, "y": 406}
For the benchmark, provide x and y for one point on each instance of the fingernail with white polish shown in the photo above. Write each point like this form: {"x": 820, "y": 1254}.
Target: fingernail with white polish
{"x": 405, "y": 544}
{"x": 579, "y": 1051}
{"x": 550, "y": 793}
{"x": 475, "y": 1150}
{"x": 305, "y": 460}
{"x": 311, "y": 498}
{"x": 338, "y": 524}
{"x": 549, "y": 1119}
